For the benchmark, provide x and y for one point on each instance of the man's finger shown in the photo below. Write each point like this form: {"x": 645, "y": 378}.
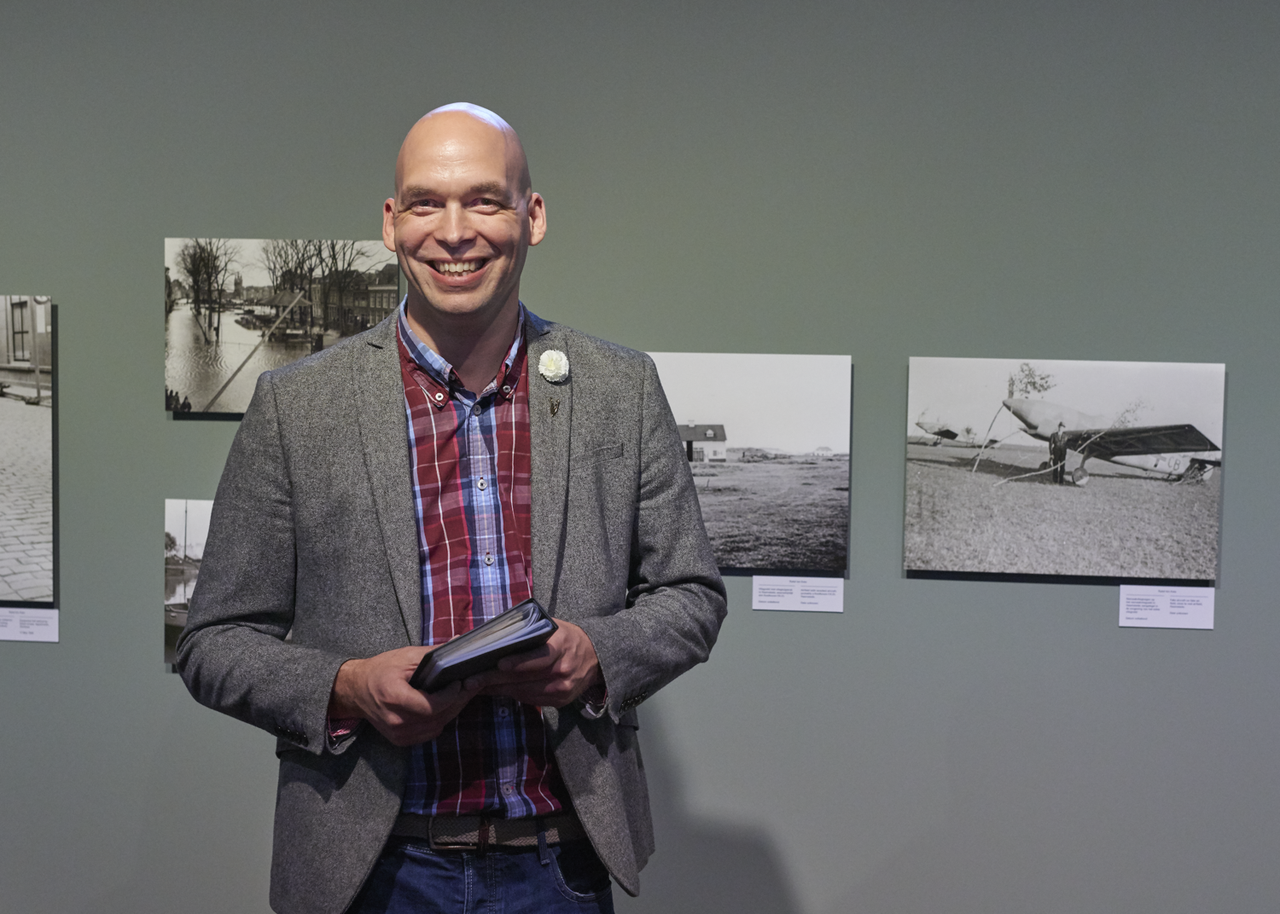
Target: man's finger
{"x": 493, "y": 678}
{"x": 537, "y": 659}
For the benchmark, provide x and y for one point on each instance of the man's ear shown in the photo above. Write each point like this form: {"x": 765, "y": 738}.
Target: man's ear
{"x": 537, "y": 218}
{"x": 389, "y": 223}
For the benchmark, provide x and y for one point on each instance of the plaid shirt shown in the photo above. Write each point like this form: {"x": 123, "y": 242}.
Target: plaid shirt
{"x": 470, "y": 460}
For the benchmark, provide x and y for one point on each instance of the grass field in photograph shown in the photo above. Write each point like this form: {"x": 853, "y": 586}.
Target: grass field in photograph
{"x": 1123, "y": 523}
{"x": 785, "y": 514}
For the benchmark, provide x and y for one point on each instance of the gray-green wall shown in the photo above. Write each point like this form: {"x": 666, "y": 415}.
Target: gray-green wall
{"x": 1050, "y": 180}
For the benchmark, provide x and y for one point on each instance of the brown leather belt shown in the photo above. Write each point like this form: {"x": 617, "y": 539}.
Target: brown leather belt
{"x": 458, "y": 833}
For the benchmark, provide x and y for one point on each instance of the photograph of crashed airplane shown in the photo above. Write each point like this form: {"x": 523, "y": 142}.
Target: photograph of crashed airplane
{"x": 1046, "y": 467}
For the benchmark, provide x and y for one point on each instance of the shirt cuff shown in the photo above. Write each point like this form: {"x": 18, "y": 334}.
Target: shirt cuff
{"x": 340, "y": 729}
{"x": 594, "y": 701}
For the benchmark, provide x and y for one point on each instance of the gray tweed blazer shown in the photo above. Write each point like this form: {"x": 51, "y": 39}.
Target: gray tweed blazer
{"x": 313, "y": 532}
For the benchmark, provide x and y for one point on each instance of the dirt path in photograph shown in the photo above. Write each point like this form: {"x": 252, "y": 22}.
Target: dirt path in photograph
{"x": 1118, "y": 525}
{"x": 790, "y": 514}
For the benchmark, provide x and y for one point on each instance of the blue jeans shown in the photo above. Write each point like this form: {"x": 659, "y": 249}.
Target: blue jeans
{"x": 411, "y": 878}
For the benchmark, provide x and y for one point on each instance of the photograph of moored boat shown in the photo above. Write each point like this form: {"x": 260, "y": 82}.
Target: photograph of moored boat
{"x": 186, "y": 527}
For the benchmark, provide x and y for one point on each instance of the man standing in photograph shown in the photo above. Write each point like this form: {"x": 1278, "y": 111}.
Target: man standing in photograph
{"x": 410, "y": 483}
{"x": 1058, "y": 454}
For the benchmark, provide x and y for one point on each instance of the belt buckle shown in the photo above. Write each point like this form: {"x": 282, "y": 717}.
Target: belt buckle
{"x": 480, "y": 844}
{"x": 446, "y": 844}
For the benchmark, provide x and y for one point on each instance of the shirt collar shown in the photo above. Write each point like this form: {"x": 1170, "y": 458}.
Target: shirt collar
{"x": 439, "y": 371}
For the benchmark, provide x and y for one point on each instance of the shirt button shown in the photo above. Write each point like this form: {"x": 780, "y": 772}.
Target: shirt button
{"x": 506, "y": 388}
{"x": 488, "y": 558}
{"x": 507, "y": 789}
{"x": 475, "y": 410}
{"x": 439, "y": 396}
{"x": 482, "y": 485}
{"x": 502, "y": 712}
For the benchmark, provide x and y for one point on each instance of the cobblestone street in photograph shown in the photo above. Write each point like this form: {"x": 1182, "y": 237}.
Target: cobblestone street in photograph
{"x": 26, "y": 501}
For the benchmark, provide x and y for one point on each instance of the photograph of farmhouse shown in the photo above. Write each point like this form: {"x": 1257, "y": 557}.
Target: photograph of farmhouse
{"x": 771, "y": 468}
{"x": 236, "y": 307}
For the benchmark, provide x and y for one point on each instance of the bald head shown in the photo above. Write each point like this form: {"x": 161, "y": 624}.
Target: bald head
{"x": 454, "y": 128}
{"x": 461, "y": 223}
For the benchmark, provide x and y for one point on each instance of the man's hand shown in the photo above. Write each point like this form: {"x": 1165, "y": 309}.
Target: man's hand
{"x": 552, "y": 675}
{"x": 378, "y": 690}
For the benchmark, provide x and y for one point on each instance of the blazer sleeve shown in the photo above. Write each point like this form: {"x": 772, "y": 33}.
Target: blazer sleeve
{"x": 234, "y": 654}
{"x": 675, "y": 598}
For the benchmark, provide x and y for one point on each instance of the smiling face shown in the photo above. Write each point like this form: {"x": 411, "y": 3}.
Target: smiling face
{"x": 462, "y": 219}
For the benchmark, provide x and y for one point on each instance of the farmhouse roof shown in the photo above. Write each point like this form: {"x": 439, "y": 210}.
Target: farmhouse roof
{"x": 702, "y": 433}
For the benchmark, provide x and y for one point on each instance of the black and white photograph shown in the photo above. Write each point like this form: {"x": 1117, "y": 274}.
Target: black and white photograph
{"x": 27, "y": 553}
{"x": 1064, "y": 468}
{"x": 186, "y": 527}
{"x": 236, "y": 307}
{"x": 771, "y": 467}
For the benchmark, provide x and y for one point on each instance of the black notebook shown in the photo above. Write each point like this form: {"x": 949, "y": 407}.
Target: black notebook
{"x": 521, "y": 628}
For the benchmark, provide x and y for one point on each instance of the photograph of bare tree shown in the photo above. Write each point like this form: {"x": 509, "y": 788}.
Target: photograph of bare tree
{"x": 1064, "y": 468}
{"x": 771, "y": 467}
{"x": 186, "y": 527}
{"x": 28, "y": 576}
{"x": 236, "y": 307}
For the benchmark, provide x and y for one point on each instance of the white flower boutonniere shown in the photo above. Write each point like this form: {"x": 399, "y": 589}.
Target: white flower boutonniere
{"x": 554, "y": 366}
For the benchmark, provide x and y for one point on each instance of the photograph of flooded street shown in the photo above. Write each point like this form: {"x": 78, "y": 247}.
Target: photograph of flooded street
{"x": 771, "y": 468}
{"x": 28, "y": 576}
{"x": 236, "y": 307}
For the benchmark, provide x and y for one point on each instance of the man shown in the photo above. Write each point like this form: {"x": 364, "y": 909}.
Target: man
{"x": 402, "y": 487}
{"x": 1058, "y": 454}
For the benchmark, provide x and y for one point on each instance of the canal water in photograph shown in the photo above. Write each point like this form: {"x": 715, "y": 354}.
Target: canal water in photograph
{"x": 196, "y": 368}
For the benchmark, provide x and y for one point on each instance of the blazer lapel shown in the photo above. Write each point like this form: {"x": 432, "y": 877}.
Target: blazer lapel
{"x": 385, "y": 441}
{"x": 550, "y": 427}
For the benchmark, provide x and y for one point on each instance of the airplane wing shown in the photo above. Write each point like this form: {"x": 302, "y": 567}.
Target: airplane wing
{"x": 1106, "y": 443}
{"x": 938, "y": 430}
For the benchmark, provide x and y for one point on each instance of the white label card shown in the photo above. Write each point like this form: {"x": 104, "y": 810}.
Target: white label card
{"x": 813, "y": 595}
{"x": 1143, "y": 606}
{"x": 28, "y": 624}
